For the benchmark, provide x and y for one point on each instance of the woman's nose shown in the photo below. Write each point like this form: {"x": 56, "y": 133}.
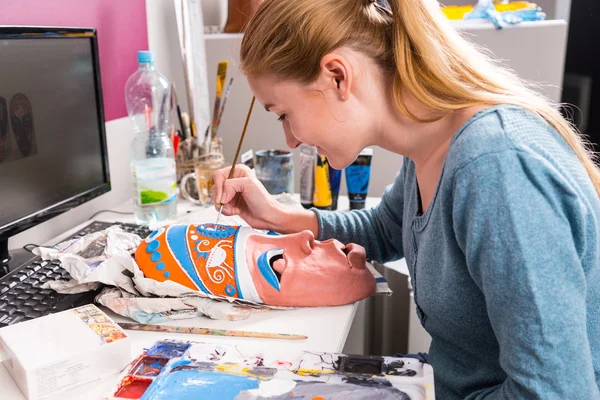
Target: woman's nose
{"x": 290, "y": 139}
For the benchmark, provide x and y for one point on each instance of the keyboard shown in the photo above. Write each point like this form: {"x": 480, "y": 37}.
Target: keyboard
{"x": 21, "y": 295}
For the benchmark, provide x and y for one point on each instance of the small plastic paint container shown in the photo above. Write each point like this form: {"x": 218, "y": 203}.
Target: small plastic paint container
{"x": 322, "y": 195}
{"x": 149, "y": 366}
{"x": 132, "y": 387}
{"x": 308, "y": 156}
{"x": 335, "y": 177}
{"x": 275, "y": 170}
{"x": 168, "y": 349}
{"x": 357, "y": 179}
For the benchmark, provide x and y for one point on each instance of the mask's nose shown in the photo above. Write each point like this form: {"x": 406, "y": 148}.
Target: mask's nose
{"x": 305, "y": 240}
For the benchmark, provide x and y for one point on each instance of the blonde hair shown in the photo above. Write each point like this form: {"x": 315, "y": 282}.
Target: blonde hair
{"x": 429, "y": 58}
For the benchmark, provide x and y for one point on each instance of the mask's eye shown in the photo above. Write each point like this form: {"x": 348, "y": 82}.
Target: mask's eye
{"x": 265, "y": 264}
{"x": 272, "y": 256}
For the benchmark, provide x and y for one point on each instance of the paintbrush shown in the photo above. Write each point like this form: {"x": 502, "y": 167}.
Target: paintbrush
{"x": 207, "y": 143}
{"x": 209, "y": 331}
{"x": 221, "y": 75}
{"x": 176, "y": 104}
{"x": 223, "y": 105}
{"x": 237, "y": 152}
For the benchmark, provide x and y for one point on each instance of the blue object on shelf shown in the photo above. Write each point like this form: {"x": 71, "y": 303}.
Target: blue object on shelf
{"x": 484, "y": 9}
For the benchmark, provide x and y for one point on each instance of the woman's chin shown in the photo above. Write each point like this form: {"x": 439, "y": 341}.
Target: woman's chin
{"x": 335, "y": 164}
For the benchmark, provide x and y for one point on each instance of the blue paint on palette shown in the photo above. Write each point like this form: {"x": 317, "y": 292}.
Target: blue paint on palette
{"x": 193, "y": 384}
{"x": 168, "y": 349}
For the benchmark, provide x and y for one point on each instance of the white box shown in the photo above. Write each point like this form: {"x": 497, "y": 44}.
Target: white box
{"x": 53, "y": 353}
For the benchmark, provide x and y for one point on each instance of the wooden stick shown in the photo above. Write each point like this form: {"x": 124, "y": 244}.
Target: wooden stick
{"x": 209, "y": 331}
{"x": 237, "y": 152}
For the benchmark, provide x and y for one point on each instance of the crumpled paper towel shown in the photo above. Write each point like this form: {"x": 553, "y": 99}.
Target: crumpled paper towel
{"x": 100, "y": 257}
{"x": 152, "y": 310}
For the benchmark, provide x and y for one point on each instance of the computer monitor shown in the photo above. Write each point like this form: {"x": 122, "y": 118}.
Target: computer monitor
{"x": 52, "y": 140}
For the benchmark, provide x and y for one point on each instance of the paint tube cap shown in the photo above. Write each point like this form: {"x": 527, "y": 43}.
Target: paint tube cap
{"x": 334, "y": 205}
{"x": 357, "y": 205}
{"x": 145, "y": 56}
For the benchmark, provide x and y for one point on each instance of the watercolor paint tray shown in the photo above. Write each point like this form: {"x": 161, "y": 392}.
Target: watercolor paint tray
{"x": 179, "y": 369}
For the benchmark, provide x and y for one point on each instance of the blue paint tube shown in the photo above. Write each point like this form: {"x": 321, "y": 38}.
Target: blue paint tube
{"x": 357, "y": 179}
{"x": 308, "y": 156}
{"x": 335, "y": 178}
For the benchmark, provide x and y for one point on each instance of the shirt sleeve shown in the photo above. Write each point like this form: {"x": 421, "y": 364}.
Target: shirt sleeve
{"x": 521, "y": 226}
{"x": 378, "y": 229}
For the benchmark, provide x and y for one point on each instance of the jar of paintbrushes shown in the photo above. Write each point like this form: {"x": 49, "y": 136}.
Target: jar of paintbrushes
{"x": 196, "y": 186}
{"x": 200, "y": 155}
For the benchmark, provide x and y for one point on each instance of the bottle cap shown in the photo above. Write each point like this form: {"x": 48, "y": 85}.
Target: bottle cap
{"x": 145, "y": 56}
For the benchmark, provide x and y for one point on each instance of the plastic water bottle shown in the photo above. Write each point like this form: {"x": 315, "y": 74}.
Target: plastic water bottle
{"x": 147, "y": 94}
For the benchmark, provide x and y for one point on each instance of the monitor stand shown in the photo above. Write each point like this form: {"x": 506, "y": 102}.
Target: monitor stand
{"x": 10, "y": 260}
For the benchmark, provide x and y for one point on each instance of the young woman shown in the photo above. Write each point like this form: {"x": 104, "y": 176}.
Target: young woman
{"x": 496, "y": 207}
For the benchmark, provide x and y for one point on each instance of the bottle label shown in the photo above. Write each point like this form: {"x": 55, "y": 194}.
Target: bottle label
{"x": 156, "y": 181}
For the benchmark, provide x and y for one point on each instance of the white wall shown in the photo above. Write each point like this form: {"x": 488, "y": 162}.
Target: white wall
{"x": 214, "y": 12}
{"x": 164, "y": 41}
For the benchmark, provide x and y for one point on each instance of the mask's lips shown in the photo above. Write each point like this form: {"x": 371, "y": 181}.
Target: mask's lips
{"x": 345, "y": 250}
{"x": 356, "y": 256}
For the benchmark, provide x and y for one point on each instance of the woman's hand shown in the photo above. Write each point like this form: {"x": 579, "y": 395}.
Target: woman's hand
{"x": 245, "y": 196}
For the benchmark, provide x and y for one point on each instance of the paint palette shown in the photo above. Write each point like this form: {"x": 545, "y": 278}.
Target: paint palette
{"x": 143, "y": 370}
{"x": 176, "y": 369}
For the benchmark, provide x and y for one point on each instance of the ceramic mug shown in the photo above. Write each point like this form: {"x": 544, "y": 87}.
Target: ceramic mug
{"x": 275, "y": 170}
{"x": 203, "y": 175}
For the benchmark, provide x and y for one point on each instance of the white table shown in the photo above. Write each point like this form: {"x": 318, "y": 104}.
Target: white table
{"x": 326, "y": 327}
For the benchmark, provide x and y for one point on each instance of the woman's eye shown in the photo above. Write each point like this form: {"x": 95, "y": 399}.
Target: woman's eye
{"x": 282, "y": 118}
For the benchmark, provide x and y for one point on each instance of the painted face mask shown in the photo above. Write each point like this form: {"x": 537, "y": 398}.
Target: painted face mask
{"x": 239, "y": 262}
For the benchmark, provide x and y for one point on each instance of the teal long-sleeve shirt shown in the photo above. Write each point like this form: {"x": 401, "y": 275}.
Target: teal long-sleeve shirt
{"x": 505, "y": 262}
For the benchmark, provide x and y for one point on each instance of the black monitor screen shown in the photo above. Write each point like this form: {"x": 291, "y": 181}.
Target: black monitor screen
{"x": 51, "y": 141}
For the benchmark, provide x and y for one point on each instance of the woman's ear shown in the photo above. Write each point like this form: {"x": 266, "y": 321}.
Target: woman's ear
{"x": 336, "y": 74}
